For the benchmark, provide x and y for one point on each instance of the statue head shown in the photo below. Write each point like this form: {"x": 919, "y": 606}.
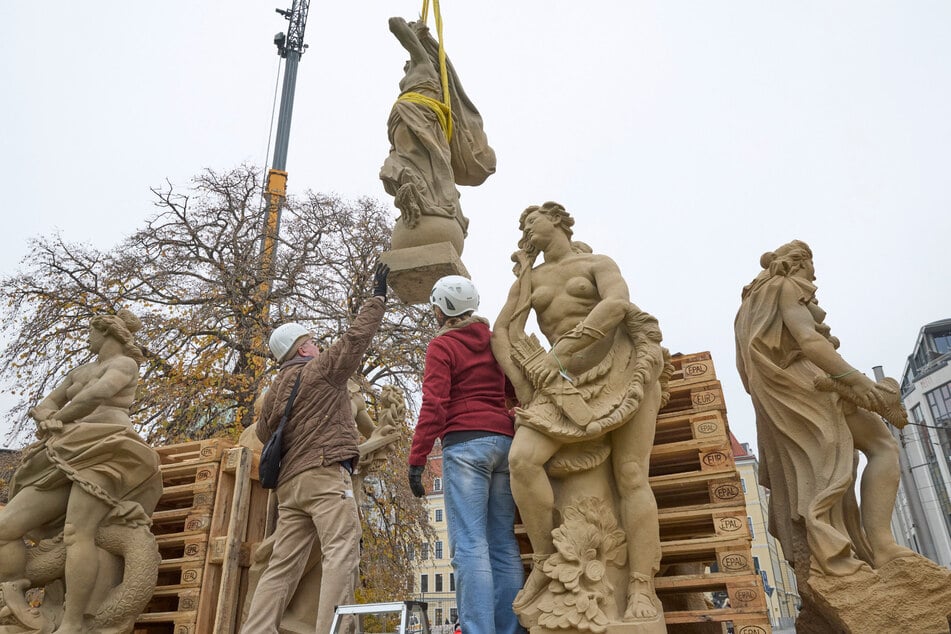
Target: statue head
{"x": 788, "y": 259}
{"x": 791, "y": 259}
{"x": 122, "y": 326}
{"x": 555, "y": 212}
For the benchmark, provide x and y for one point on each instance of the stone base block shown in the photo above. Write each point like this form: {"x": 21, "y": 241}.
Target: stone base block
{"x": 654, "y": 626}
{"x": 910, "y": 594}
{"x": 414, "y": 270}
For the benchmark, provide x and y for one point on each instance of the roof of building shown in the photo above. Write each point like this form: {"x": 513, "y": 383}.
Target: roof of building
{"x": 739, "y": 449}
{"x": 926, "y": 357}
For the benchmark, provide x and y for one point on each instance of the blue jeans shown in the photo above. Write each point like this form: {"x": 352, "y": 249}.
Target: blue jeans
{"x": 480, "y": 511}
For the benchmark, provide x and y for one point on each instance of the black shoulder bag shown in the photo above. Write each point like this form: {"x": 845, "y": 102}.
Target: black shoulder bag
{"x": 270, "y": 468}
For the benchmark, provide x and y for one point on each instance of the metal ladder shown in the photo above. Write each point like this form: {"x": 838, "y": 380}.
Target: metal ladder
{"x": 395, "y": 617}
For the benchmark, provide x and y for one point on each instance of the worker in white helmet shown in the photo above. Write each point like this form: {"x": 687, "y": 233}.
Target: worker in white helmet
{"x": 316, "y": 506}
{"x": 465, "y": 396}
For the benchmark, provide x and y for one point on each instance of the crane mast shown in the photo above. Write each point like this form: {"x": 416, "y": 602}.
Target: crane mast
{"x": 290, "y": 46}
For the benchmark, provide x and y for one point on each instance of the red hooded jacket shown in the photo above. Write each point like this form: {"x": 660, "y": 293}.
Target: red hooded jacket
{"x": 464, "y": 389}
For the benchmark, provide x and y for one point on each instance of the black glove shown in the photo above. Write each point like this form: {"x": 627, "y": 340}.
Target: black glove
{"x": 379, "y": 280}
{"x": 416, "y": 481}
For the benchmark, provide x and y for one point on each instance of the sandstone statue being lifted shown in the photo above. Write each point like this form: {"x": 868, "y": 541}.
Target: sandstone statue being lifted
{"x": 583, "y": 434}
{"x": 83, "y": 495}
{"x": 813, "y": 411}
{"x": 436, "y": 142}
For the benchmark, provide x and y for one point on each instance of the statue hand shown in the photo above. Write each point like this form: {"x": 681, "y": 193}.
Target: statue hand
{"x": 873, "y": 394}
{"x": 396, "y": 22}
{"x": 522, "y": 261}
{"x": 48, "y": 427}
{"x": 544, "y": 371}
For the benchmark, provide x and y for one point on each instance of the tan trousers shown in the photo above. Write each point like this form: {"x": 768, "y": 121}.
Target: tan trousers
{"x": 314, "y": 506}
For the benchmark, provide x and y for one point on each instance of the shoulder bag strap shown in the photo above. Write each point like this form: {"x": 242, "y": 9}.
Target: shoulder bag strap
{"x": 290, "y": 404}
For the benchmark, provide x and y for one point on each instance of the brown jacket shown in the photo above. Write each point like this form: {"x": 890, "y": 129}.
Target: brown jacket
{"x": 320, "y": 430}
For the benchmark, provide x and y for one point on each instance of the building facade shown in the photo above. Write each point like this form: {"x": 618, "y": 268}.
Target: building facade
{"x": 922, "y": 517}
{"x": 434, "y": 580}
{"x": 779, "y": 580}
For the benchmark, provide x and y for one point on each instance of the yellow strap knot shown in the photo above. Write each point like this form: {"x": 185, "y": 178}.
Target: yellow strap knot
{"x": 442, "y": 111}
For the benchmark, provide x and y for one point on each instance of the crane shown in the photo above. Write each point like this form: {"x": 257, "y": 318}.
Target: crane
{"x": 290, "y": 46}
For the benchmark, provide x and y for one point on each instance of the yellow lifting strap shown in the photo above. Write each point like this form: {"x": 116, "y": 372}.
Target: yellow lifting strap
{"x": 442, "y": 109}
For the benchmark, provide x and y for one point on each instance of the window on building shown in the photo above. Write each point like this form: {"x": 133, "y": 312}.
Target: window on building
{"x": 438, "y": 584}
{"x": 438, "y": 554}
{"x": 749, "y": 522}
{"x": 424, "y": 583}
{"x": 453, "y": 614}
{"x": 942, "y": 341}
{"x": 756, "y": 564}
{"x": 437, "y": 485}
{"x": 917, "y": 415}
{"x": 743, "y": 484}
{"x": 424, "y": 551}
{"x": 438, "y": 515}
{"x": 437, "y": 613}
{"x": 939, "y": 400}
{"x": 452, "y": 582}
{"x": 410, "y": 552}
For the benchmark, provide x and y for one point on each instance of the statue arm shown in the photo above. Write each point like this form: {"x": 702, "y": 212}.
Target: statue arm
{"x": 605, "y": 316}
{"x": 818, "y": 349}
{"x": 120, "y": 373}
{"x": 53, "y": 401}
{"x": 504, "y": 326}
{"x": 408, "y": 39}
{"x": 362, "y": 417}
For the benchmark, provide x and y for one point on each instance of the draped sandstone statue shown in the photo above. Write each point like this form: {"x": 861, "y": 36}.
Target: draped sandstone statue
{"x": 584, "y": 433}
{"x": 436, "y": 142}
{"x": 814, "y": 413}
{"x": 83, "y": 496}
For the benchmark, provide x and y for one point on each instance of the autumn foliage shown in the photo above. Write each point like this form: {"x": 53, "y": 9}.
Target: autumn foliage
{"x": 192, "y": 274}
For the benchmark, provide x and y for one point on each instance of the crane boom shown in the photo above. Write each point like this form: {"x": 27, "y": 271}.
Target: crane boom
{"x": 290, "y": 46}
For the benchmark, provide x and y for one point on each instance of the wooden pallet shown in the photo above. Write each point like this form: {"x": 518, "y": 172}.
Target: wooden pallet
{"x": 200, "y": 528}
{"x": 195, "y": 451}
{"x": 702, "y": 521}
{"x": 707, "y": 426}
{"x": 689, "y": 489}
{"x": 692, "y": 457}
{"x": 744, "y": 590}
{"x": 693, "y": 397}
{"x": 691, "y": 368}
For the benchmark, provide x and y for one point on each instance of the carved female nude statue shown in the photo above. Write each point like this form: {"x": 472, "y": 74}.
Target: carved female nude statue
{"x": 89, "y": 469}
{"x": 598, "y": 389}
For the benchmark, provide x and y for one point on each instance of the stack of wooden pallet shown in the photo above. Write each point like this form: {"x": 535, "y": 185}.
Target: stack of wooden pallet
{"x": 705, "y": 538}
{"x": 204, "y": 535}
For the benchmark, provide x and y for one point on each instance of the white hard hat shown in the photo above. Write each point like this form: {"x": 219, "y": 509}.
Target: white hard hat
{"x": 454, "y": 295}
{"x": 283, "y": 338}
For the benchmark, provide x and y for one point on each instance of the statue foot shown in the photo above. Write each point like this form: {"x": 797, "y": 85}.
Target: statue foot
{"x": 891, "y": 552}
{"x": 407, "y": 201}
{"x": 640, "y": 599}
{"x": 535, "y": 584}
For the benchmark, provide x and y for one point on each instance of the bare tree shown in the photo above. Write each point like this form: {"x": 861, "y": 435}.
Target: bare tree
{"x": 193, "y": 274}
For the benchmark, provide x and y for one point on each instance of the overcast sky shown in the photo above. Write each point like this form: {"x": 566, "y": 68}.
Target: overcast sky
{"x": 686, "y": 138}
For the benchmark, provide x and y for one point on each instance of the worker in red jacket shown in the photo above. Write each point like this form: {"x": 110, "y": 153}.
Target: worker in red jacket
{"x": 464, "y": 405}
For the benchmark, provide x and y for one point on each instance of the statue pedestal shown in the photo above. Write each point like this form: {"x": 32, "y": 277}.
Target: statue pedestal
{"x": 911, "y": 594}
{"x": 414, "y": 270}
